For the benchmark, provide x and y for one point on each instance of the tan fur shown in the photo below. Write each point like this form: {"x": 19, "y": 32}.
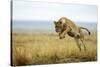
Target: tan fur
{"x": 65, "y": 26}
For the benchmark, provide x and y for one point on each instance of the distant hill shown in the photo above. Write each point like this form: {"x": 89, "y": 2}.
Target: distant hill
{"x": 45, "y": 26}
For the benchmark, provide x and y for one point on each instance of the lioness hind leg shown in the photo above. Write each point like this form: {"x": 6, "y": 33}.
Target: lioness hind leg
{"x": 83, "y": 43}
{"x": 82, "y": 40}
{"x": 78, "y": 44}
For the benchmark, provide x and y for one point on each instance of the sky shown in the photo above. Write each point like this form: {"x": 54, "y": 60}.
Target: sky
{"x": 30, "y": 11}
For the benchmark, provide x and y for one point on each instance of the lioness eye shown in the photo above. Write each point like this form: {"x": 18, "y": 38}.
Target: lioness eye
{"x": 60, "y": 22}
{"x": 56, "y": 26}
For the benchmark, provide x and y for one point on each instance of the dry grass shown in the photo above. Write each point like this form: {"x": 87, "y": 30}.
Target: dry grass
{"x": 48, "y": 49}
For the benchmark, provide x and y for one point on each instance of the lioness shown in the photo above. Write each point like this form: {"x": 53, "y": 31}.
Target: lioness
{"x": 65, "y": 26}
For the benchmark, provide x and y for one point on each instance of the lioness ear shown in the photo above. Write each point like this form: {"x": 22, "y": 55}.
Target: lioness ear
{"x": 54, "y": 22}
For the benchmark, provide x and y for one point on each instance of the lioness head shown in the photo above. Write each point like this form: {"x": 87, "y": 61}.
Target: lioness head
{"x": 58, "y": 26}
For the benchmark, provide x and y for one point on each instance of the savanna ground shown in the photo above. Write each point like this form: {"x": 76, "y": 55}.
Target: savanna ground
{"x": 30, "y": 48}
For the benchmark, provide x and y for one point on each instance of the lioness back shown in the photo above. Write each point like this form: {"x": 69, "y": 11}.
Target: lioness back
{"x": 69, "y": 23}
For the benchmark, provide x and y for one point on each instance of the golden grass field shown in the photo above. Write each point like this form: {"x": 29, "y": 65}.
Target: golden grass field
{"x": 30, "y": 48}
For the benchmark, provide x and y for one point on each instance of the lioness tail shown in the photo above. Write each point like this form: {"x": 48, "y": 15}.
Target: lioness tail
{"x": 86, "y": 30}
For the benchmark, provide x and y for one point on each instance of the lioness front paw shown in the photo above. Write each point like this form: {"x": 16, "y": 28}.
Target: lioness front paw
{"x": 61, "y": 37}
